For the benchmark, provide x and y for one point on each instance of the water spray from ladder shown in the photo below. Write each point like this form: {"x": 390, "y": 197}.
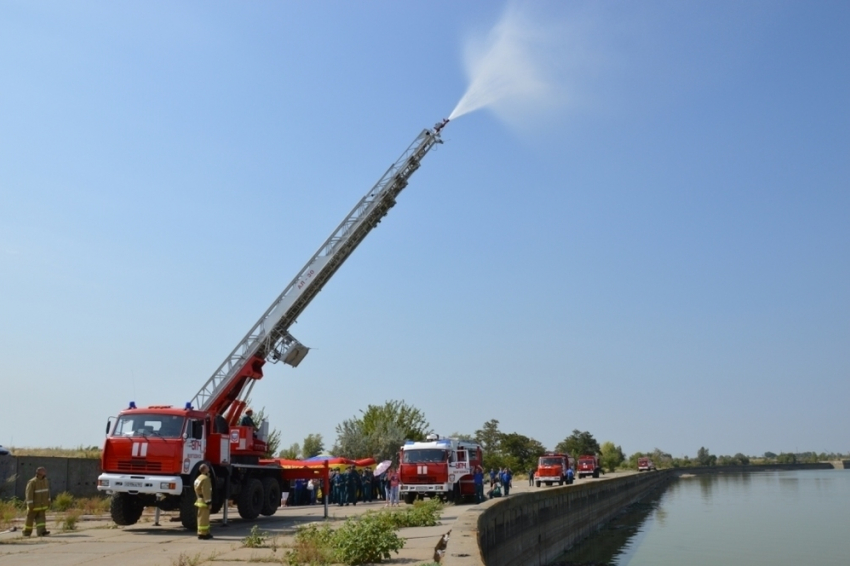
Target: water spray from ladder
{"x": 507, "y": 68}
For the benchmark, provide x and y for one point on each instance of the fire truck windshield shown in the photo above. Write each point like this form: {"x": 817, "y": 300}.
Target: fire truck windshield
{"x": 551, "y": 461}
{"x": 424, "y": 456}
{"x": 166, "y": 426}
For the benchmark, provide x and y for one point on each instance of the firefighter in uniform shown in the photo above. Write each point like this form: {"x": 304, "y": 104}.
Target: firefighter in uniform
{"x": 353, "y": 483}
{"x": 339, "y": 488}
{"x": 203, "y": 489}
{"x": 38, "y": 500}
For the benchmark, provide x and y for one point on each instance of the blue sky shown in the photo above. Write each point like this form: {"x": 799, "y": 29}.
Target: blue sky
{"x": 657, "y": 251}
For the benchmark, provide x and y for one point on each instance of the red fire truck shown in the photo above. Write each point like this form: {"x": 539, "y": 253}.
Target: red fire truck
{"x": 151, "y": 455}
{"x": 438, "y": 467}
{"x": 588, "y": 465}
{"x": 552, "y": 468}
{"x": 645, "y": 465}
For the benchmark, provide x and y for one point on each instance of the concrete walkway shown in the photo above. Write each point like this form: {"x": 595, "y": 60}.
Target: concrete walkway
{"x": 98, "y": 542}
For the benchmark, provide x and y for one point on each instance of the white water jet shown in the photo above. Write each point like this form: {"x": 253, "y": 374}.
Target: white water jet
{"x": 519, "y": 69}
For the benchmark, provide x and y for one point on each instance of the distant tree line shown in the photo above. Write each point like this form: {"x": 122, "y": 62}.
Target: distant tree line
{"x": 380, "y": 430}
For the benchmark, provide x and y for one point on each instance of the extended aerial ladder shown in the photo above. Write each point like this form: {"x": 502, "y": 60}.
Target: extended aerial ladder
{"x": 269, "y": 339}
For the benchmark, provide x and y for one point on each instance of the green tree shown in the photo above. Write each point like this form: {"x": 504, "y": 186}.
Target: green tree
{"x": 291, "y": 453}
{"x": 520, "y": 452}
{"x": 705, "y": 458}
{"x": 612, "y": 456}
{"x": 786, "y": 458}
{"x": 769, "y": 455}
{"x": 578, "y": 443}
{"x": 741, "y": 460}
{"x": 490, "y": 438}
{"x": 409, "y": 419}
{"x": 661, "y": 459}
{"x": 632, "y": 461}
{"x": 380, "y": 431}
{"x": 313, "y": 445}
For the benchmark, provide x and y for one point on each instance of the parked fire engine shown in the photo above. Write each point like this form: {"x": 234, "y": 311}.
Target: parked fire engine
{"x": 588, "y": 465}
{"x": 152, "y": 454}
{"x": 438, "y": 467}
{"x": 552, "y": 468}
{"x": 645, "y": 465}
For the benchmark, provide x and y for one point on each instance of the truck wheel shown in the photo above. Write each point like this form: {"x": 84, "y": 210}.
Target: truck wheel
{"x": 409, "y": 498}
{"x": 250, "y": 502}
{"x": 271, "y": 496}
{"x": 188, "y": 511}
{"x": 538, "y": 483}
{"x": 125, "y": 509}
{"x": 217, "y": 501}
{"x": 596, "y": 474}
{"x": 561, "y": 482}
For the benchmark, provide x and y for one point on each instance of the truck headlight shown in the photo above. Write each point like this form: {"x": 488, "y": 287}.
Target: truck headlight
{"x": 103, "y": 483}
{"x": 167, "y": 485}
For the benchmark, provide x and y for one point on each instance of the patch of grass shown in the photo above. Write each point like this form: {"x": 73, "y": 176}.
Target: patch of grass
{"x": 63, "y": 502}
{"x": 421, "y": 514}
{"x": 188, "y": 560}
{"x": 268, "y": 559}
{"x": 8, "y": 513}
{"x": 256, "y": 538}
{"x": 368, "y": 539}
{"x": 313, "y": 545}
{"x": 92, "y": 505}
{"x": 69, "y": 521}
{"x": 78, "y": 452}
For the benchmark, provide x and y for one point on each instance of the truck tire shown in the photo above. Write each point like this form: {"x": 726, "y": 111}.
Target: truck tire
{"x": 250, "y": 502}
{"x": 188, "y": 511}
{"x": 125, "y": 509}
{"x": 271, "y": 496}
{"x": 561, "y": 482}
{"x": 538, "y": 483}
{"x": 596, "y": 474}
{"x": 217, "y": 501}
{"x": 409, "y": 498}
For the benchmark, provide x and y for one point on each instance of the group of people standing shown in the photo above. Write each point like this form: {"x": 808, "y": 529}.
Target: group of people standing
{"x": 352, "y": 486}
{"x": 499, "y": 481}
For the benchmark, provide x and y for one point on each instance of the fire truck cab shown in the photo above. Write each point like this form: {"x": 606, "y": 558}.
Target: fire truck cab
{"x": 438, "y": 467}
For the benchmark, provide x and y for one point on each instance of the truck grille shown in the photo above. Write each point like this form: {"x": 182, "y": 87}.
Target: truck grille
{"x": 422, "y": 479}
{"x": 138, "y": 466}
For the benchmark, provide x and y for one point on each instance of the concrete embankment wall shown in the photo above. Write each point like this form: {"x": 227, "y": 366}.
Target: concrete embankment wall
{"x": 78, "y": 476}
{"x": 535, "y": 528}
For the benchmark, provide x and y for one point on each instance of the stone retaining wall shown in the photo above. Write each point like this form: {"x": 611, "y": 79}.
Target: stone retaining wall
{"x": 78, "y": 476}
{"x": 533, "y": 529}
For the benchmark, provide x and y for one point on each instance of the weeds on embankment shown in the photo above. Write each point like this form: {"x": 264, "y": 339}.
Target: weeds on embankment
{"x": 80, "y": 451}
{"x": 369, "y": 538}
{"x": 14, "y": 509}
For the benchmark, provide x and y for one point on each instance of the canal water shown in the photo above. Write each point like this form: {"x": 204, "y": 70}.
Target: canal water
{"x": 756, "y": 518}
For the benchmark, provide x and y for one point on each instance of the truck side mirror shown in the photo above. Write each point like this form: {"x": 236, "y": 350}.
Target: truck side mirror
{"x": 109, "y": 424}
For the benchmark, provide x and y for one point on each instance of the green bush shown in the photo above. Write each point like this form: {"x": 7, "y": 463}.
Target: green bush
{"x": 368, "y": 539}
{"x": 313, "y": 544}
{"x": 69, "y": 521}
{"x": 256, "y": 538}
{"x": 63, "y": 501}
{"x": 421, "y": 514}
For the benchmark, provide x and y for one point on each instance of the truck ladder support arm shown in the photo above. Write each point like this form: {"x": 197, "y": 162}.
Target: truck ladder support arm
{"x": 269, "y": 338}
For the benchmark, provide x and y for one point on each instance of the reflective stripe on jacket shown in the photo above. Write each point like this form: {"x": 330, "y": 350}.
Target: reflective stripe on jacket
{"x": 38, "y": 494}
{"x": 203, "y": 489}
